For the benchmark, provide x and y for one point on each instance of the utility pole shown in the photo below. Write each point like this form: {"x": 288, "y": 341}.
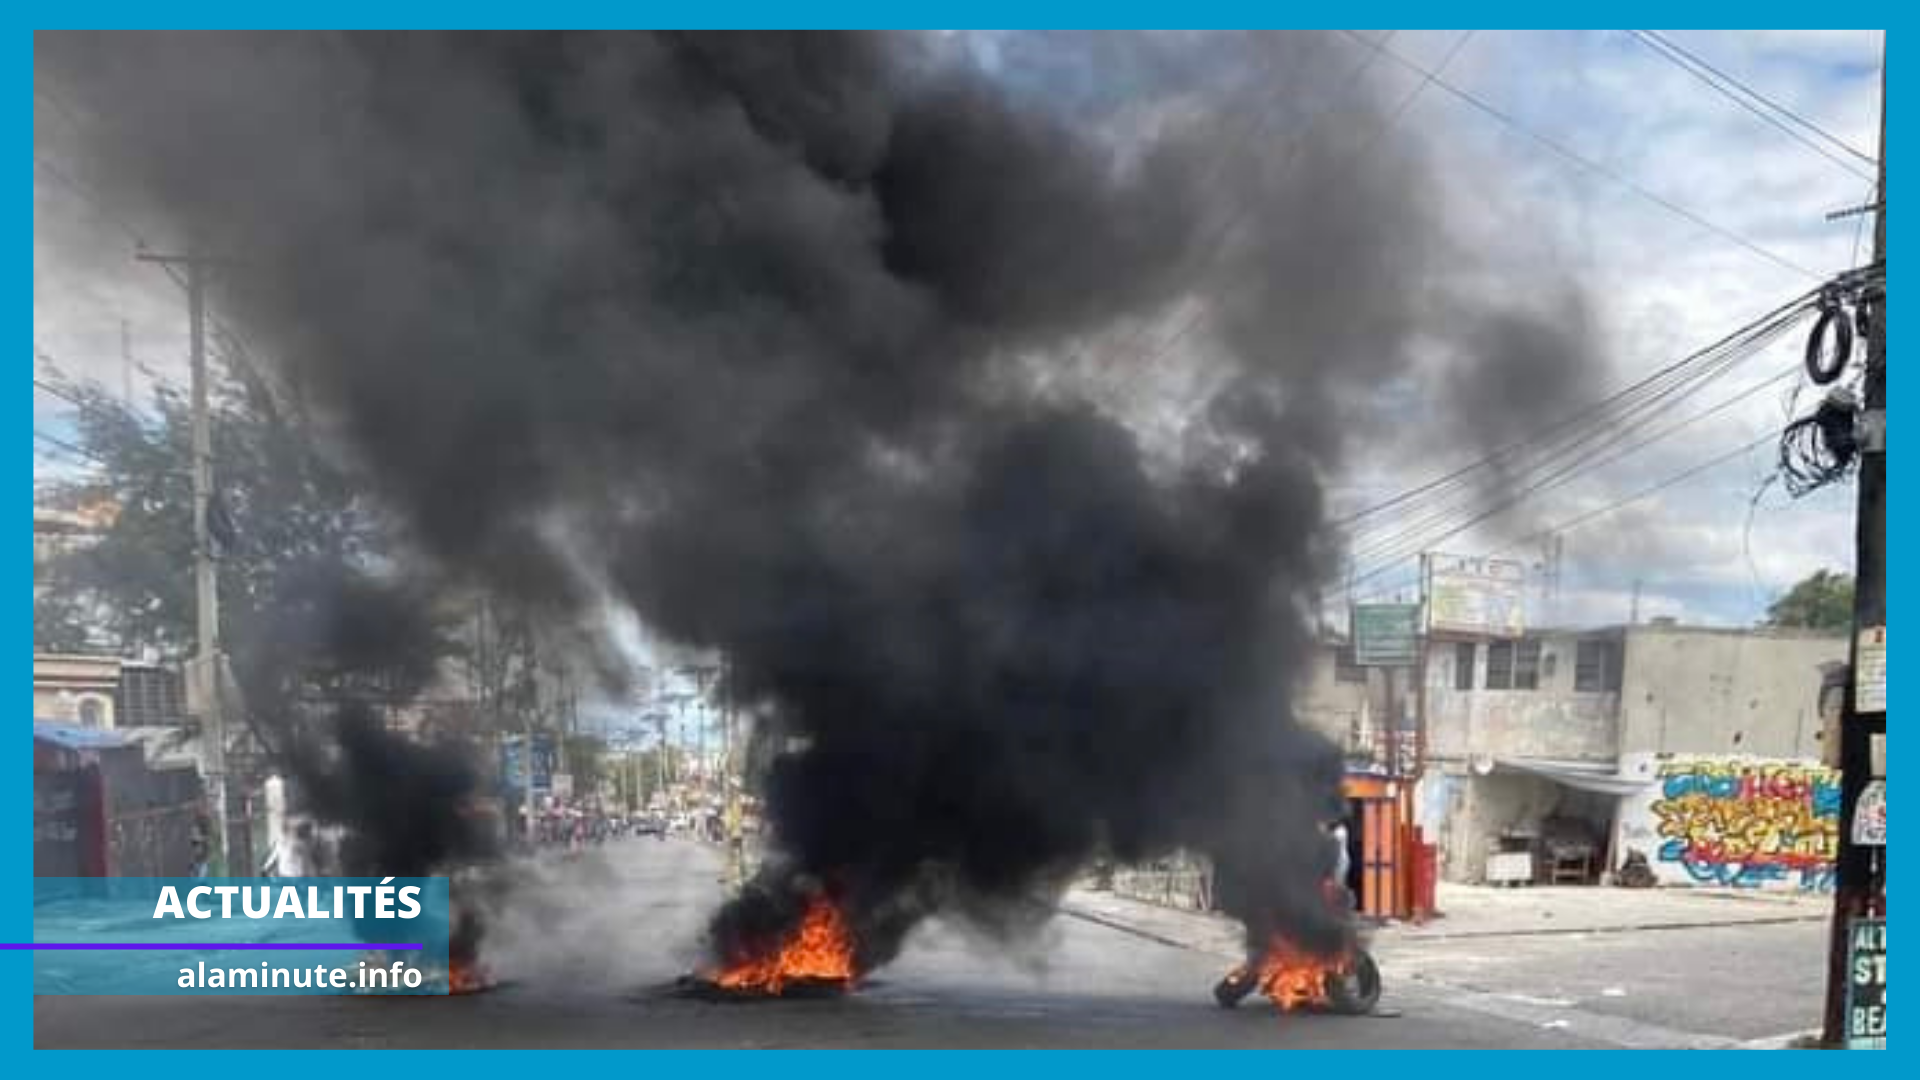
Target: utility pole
{"x": 1860, "y": 870}
{"x": 730, "y": 790}
{"x": 126, "y": 363}
{"x": 205, "y": 577}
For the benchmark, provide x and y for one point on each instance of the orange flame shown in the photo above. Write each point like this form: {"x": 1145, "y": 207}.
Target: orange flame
{"x": 1292, "y": 978}
{"x": 819, "y": 950}
{"x": 468, "y": 977}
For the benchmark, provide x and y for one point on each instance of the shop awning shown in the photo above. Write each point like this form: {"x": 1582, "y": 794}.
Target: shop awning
{"x": 1596, "y": 778}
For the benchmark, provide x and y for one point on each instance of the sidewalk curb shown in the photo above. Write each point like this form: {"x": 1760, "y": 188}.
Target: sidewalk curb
{"x": 1402, "y": 934}
{"x": 1781, "y": 1042}
{"x": 1623, "y": 928}
{"x": 1136, "y": 931}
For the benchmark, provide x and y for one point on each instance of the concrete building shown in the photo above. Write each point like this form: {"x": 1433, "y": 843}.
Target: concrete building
{"x": 106, "y": 692}
{"x": 1553, "y": 755}
{"x": 80, "y": 690}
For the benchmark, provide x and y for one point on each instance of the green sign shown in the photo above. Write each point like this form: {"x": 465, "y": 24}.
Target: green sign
{"x": 1867, "y": 984}
{"x": 1386, "y": 635}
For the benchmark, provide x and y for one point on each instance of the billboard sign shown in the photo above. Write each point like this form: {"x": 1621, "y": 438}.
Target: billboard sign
{"x": 1386, "y": 635}
{"x": 1470, "y": 595}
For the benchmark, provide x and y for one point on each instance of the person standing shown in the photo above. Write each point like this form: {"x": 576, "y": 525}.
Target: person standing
{"x": 1342, "y": 861}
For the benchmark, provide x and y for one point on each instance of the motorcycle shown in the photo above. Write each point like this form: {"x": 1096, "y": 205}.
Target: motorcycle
{"x": 1352, "y": 989}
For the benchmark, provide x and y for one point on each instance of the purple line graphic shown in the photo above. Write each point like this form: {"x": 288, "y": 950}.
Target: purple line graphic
{"x": 225, "y": 946}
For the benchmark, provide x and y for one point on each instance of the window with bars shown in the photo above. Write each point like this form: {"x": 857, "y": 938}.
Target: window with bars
{"x": 1596, "y": 666}
{"x": 1499, "y": 665}
{"x": 1463, "y": 654}
{"x": 1513, "y": 665}
{"x": 1526, "y": 664}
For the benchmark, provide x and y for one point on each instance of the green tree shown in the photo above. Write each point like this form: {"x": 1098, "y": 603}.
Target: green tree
{"x": 1821, "y": 601}
{"x": 306, "y": 610}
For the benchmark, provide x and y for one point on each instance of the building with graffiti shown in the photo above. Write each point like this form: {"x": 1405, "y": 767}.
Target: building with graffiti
{"x": 1552, "y": 755}
{"x": 1512, "y": 756}
{"x": 1736, "y": 822}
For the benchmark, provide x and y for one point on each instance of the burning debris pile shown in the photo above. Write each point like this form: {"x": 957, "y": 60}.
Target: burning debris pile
{"x": 1294, "y": 979}
{"x": 817, "y": 955}
{"x": 972, "y": 394}
{"x": 404, "y": 809}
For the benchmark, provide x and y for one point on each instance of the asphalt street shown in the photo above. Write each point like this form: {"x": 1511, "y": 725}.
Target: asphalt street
{"x": 590, "y": 955}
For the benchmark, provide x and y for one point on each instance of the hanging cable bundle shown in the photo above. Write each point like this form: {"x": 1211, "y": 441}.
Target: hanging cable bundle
{"x": 1820, "y": 448}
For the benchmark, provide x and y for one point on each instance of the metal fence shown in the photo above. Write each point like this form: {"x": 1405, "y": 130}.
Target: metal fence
{"x": 1185, "y": 883}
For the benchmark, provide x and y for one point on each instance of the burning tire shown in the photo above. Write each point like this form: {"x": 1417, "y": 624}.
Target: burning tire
{"x": 1233, "y": 989}
{"x": 1356, "y": 991}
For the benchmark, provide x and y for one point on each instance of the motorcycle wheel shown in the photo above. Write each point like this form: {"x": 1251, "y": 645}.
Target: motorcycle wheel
{"x": 1229, "y": 992}
{"x": 1355, "y": 992}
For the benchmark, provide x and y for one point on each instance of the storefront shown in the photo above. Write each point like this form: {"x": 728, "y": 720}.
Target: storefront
{"x": 1391, "y": 864}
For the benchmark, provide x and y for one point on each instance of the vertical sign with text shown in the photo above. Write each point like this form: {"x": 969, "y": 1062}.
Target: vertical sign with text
{"x": 1867, "y": 984}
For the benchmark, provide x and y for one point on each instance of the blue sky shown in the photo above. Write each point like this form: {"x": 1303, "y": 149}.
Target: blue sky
{"x": 1662, "y": 285}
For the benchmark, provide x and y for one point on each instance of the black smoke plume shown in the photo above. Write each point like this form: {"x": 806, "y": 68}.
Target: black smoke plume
{"x": 319, "y": 669}
{"x": 971, "y": 394}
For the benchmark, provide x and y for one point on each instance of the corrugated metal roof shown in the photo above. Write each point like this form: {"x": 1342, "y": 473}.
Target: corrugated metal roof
{"x": 1580, "y": 776}
{"x": 73, "y": 737}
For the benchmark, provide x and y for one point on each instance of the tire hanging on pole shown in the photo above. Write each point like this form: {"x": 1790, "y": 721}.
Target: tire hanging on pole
{"x": 1823, "y": 367}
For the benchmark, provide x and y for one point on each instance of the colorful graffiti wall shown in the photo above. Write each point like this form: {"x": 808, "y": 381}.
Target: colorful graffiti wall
{"x": 1737, "y": 823}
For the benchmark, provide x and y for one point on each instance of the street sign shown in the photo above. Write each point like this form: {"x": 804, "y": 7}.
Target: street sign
{"x": 1870, "y": 671}
{"x": 1870, "y": 816}
{"x": 1386, "y": 635}
{"x": 1867, "y": 984}
{"x": 512, "y": 768}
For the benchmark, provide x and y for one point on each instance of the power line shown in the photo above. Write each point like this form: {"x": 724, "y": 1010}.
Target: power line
{"x": 1588, "y": 163}
{"x": 80, "y": 191}
{"x": 1577, "y": 458}
{"x": 1581, "y": 519}
{"x": 1671, "y": 53}
{"x": 1210, "y": 250}
{"x": 1219, "y": 243}
{"x": 1598, "y": 412}
{"x": 69, "y": 447}
{"x": 61, "y": 392}
{"x": 1644, "y": 493}
{"x": 1606, "y": 419}
{"x": 1650, "y": 36}
{"x": 1410, "y": 543}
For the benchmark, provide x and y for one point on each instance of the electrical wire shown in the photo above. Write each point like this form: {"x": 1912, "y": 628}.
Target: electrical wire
{"x": 69, "y": 447}
{"x": 1218, "y": 245}
{"x": 1565, "y": 438}
{"x": 1591, "y": 438}
{"x": 78, "y": 190}
{"x": 1210, "y": 249}
{"x": 1679, "y": 58}
{"x": 1602, "y": 446}
{"x": 1591, "y": 165}
{"x": 1412, "y": 544}
{"x": 1569, "y": 524}
{"x": 1820, "y": 448}
{"x": 1693, "y": 59}
{"x": 1644, "y": 493}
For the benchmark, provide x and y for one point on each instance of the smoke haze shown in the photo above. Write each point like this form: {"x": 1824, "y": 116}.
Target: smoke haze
{"x": 972, "y": 396}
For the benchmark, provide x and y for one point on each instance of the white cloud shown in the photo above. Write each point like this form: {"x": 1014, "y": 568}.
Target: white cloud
{"x": 1662, "y": 285}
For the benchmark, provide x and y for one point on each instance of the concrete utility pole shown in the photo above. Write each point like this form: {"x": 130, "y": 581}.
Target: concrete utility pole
{"x": 205, "y": 577}
{"x": 1860, "y": 870}
{"x": 126, "y": 363}
{"x": 736, "y": 837}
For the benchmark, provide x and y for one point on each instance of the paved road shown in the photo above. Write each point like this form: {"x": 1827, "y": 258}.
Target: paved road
{"x": 590, "y": 956}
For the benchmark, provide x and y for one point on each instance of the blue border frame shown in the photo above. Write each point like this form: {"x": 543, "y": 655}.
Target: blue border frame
{"x": 16, "y": 1026}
